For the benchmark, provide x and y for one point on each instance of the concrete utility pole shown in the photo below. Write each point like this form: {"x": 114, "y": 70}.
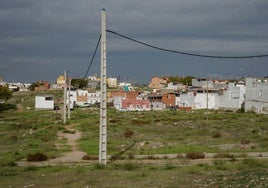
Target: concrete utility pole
{"x": 64, "y": 97}
{"x": 103, "y": 102}
{"x": 69, "y": 100}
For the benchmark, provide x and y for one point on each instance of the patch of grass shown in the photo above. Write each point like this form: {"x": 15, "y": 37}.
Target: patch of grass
{"x": 252, "y": 163}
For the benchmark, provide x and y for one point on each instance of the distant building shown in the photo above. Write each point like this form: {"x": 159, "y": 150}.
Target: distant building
{"x": 136, "y": 105}
{"x": 256, "y": 95}
{"x": 45, "y": 102}
{"x": 233, "y": 98}
{"x": 60, "y": 81}
{"x": 158, "y": 82}
{"x": 45, "y": 86}
{"x": 199, "y": 100}
{"x": 112, "y": 82}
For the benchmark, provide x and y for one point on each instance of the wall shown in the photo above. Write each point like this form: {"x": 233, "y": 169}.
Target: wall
{"x": 256, "y": 95}
{"x": 232, "y": 98}
{"x": 44, "y": 102}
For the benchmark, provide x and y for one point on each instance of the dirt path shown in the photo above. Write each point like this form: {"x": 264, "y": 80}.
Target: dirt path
{"x": 72, "y": 136}
{"x": 74, "y": 156}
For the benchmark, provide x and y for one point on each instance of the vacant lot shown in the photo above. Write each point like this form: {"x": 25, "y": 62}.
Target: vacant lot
{"x": 230, "y": 136}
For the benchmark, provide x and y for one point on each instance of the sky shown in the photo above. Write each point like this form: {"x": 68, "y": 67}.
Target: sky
{"x": 40, "y": 39}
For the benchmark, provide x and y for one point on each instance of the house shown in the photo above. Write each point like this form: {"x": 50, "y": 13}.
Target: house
{"x": 256, "y": 95}
{"x": 175, "y": 86}
{"x": 199, "y": 99}
{"x": 169, "y": 99}
{"x": 118, "y": 96}
{"x": 44, "y": 85}
{"x": 83, "y": 97}
{"x": 94, "y": 97}
{"x": 233, "y": 98}
{"x": 136, "y": 105}
{"x": 156, "y": 105}
{"x": 44, "y": 102}
{"x": 60, "y": 81}
{"x": 112, "y": 82}
{"x": 158, "y": 82}
{"x": 125, "y": 86}
{"x": 209, "y": 84}
{"x": 93, "y": 84}
{"x": 163, "y": 100}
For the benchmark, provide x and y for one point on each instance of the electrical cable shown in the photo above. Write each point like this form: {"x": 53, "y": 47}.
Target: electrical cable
{"x": 186, "y": 53}
{"x": 93, "y": 57}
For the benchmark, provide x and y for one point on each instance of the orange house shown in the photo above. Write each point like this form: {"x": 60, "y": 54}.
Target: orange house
{"x": 169, "y": 99}
{"x": 158, "y": 82}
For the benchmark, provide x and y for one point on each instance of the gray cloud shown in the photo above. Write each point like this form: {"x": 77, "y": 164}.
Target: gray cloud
{"x": 47, "y": 37}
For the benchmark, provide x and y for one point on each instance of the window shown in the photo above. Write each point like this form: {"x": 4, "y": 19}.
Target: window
{"x": 49, "y": 98}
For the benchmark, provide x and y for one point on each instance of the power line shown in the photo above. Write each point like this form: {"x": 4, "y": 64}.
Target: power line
{"x": 186, "y": 53}
{"x": 93, "y": 57}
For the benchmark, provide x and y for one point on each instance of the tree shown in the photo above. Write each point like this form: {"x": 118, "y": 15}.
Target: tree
{"x": 173, "y": 79}
{"x": 187, "y": 80}
{"x": 79, "y": 83}
{"x": 36, "y": 84}
{"x": 5, "y": 93}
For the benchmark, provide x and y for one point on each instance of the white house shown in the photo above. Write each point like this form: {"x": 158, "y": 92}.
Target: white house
{"x": 197, "y": 100}
{"x": 45, "y": 102}
{"x": 256, "y": 95}
{"x": 233, "y": 97}
{"x": 83, "y": 97}
{"x": 94, "y": 97}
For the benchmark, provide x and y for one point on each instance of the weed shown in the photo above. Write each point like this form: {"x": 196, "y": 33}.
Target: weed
{"x": 37, "y": 157}
{"x": 128, "y": 134}
{"x": 220, "y": 164}
{"x": 169, "y": 167}
{"x": 90, "y": 157}
{"x": 216, "y": 135}
{"x": 99, "y": 166}
{"x": 195, "y": 155}
{"x": 251, "y": 163}
{"x": 224, "y": 155}
{"x": 130, "y": 166}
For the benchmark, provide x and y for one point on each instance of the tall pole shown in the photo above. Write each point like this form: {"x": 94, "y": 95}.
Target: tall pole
{"x": 64, "y": 97}
{"x": 103, "y": 103}
{"x": 207, "y": 99}
{"x": 69, "y": 100}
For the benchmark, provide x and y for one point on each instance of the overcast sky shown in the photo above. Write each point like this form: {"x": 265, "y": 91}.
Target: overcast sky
{"x": 39, "y": 39}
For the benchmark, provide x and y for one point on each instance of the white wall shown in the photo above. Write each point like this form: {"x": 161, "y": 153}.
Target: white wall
{"x": 199, "y": 100}
{"x": 44, "y": 102}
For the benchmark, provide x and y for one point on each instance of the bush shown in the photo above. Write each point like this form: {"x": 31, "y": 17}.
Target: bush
{"x": 128, "y": 134}
{"x": 224, "y": 155}
{"x": 37, "y": 157}
{"x": 216, "y": 135}
{"x": 90, "y": 157}
{"x": 195, "y": 155}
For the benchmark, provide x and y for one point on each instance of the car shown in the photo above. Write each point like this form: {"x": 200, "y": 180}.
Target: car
{"x": 123, "y": 110}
